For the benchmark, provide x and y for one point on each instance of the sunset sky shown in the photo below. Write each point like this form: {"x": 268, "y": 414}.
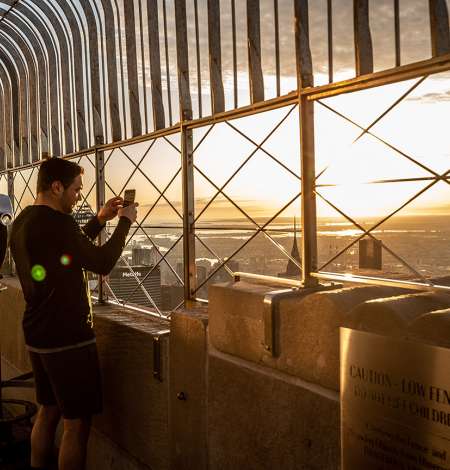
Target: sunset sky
{"x": 417, "y": 127}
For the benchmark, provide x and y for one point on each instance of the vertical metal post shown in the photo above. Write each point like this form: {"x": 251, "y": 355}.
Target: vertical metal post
{"x": 187, "y": 156}
{"x": 440, "y": 35}
{"x": 305, "y": 79}
{"x": 308, "y": 200}
{"x": 397, "y": 33}
{"x": 10, "y": 182}
{"x": 363, "y": 38}
{"x": 100, "y": 199}
{"x": 277, "y": 46}
{"x": 330, "y": 39}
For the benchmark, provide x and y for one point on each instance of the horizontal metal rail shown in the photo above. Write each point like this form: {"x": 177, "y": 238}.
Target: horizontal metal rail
{"x": 385, "y": 77}
{"x": 340, "y": 278}
{"x": 134, "y": 308}
{"x": 268, "y": 280}
{"x": 257, "y": 108}
{"x": 376, "y": 281}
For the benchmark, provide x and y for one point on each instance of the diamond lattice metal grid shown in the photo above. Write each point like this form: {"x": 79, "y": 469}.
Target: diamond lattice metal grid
{"x": 429, "y": 180}
{"x": 137, "y": 161}
{"x": 220, "y": 189}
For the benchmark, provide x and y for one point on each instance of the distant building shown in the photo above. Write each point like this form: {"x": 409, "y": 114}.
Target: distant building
{"x": 144, "y": 256}
{"x": 172, "y": 296}
{"x": 292, "y": 269}
{"x": 123, "y": 282}
{"x": 202, "y": 274}
{"x": 222, "y": 275}
{"x": 257, "y": 264}
{"x": 370, "y": 254}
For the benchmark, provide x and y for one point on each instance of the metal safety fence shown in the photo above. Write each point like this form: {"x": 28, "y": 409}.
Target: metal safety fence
{"x": 223, "y": 175}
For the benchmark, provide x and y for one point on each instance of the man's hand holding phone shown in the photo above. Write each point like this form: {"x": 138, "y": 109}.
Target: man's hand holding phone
{"x": 129, "y": 206}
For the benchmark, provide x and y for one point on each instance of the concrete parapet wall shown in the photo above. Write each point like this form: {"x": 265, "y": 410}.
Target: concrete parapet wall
{"x": 393, "y": 316}
{"x": 188, "y": 390}
{"x": 259, "y": 418}
{"x": 282, "y": 411}
{"x": 307, "y": 327}
{"x": 432, "y": 328}
{"x": 12, "y": 343}
{"x": 135, "y": 414}
{"x": 221, "y": 400}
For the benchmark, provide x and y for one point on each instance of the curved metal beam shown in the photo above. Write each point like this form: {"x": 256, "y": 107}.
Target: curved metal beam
{"x": 78, "y": 54}
{"x": 2, "y": 129}
{"x": 94, "y": 70}
{"x": 63, "y": 86}
{"x": 23, "y": 29}
{"x": 102, "y": 58}
{"x": 65, "y": 73}
{"x": 7, "y": 96}
{"x": 133, "y": 85}
{"x": 53, "y": 72}
{"x": 13, "y": 78}
{"x": 113, "y": 92}
{"x": 10, "y": 50}
{"x": 23, "y": 46}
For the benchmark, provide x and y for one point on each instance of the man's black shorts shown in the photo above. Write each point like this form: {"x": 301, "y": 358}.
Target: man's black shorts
{"x": 69, "y": 379}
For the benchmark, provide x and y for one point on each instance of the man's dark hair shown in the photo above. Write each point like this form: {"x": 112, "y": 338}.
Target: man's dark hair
{"x": 57, "y": 169}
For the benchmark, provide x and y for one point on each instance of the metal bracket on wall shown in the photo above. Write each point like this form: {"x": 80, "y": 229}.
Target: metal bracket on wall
{"x": 271, "y": 312}
{"x": 157, "y": 359}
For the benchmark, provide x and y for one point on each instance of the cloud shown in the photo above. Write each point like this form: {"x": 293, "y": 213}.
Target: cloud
{"x": 432, "y": 97}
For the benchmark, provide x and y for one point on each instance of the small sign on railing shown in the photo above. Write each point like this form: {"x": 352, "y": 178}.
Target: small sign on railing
{"x": 395, "y": 403}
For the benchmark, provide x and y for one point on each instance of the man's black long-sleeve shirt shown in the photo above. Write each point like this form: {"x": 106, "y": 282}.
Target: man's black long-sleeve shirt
{"x": 57, "y": 304}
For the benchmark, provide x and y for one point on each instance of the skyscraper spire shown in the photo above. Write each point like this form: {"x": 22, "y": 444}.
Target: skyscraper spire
{"x": 292, "y": 269}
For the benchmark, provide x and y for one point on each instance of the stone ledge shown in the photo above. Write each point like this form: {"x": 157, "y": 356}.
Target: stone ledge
{"x": 393, "y": 316}
{"x": 431, "y": 328}
{"x": 12, "y": 342}
{"x": 259, "y": 421}
{"x": 307, "y": 327}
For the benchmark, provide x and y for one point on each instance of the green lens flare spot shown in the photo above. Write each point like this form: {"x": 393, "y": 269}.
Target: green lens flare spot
{"x": 65, "y": 260}
{"x": 38, "y": 272}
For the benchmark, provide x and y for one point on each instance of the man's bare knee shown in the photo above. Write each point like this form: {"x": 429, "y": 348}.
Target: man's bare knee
{"x": 79, "y": 426}
{"x": 50, "y": 414}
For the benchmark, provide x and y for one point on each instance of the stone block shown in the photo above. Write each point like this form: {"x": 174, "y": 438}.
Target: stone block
{"x": 258, "y": 420}
{"x": 432, "y": 328}
{"x": 12, "y": 342}
{"x": 187, "y": 389}
{"x": 135, "y": 413}
{"x": 392, "y": 316}
{"x": 236, "y": 318}
{"x": 306, "y": 331}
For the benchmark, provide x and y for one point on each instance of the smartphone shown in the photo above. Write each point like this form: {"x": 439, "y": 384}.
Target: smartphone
{"x": 128, "y": 197}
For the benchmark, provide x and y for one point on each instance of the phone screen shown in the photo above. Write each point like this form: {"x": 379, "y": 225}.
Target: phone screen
{"x": 128, "y": 197}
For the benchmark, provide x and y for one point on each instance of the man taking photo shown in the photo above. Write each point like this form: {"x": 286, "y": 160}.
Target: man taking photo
{"x": 52, "y": 255}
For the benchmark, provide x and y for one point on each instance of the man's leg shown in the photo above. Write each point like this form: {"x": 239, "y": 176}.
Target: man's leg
{"x": 72, "y": 453}
{"x": 43, "y": 435}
